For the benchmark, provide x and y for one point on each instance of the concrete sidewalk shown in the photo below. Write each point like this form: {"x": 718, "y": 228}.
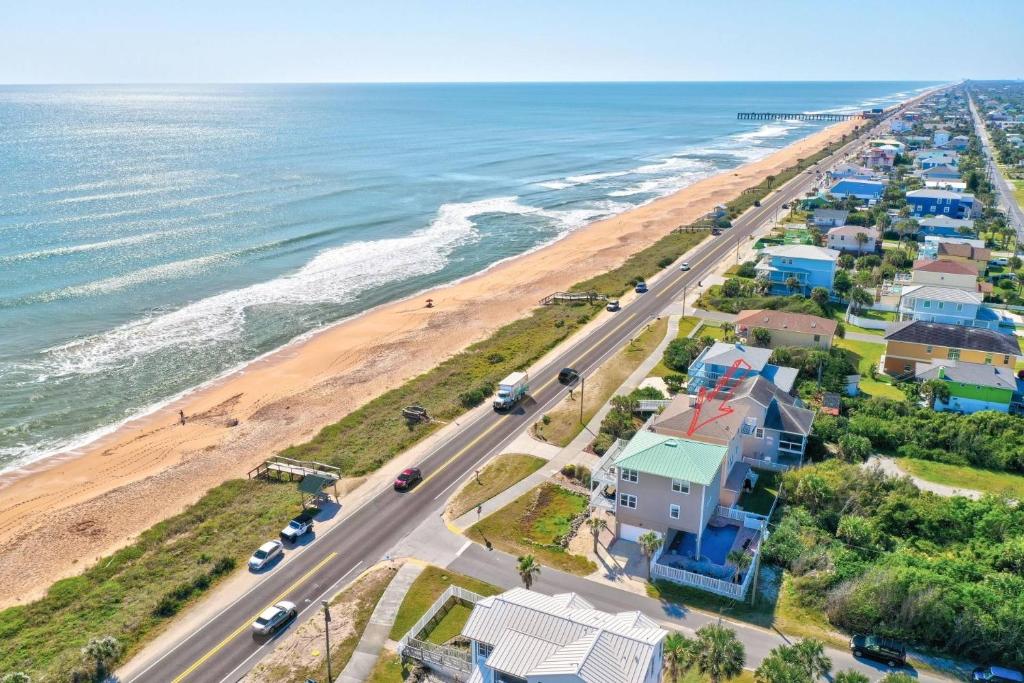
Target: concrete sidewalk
{"x": 580, "y": 442}
{"x": 377, "y": 630}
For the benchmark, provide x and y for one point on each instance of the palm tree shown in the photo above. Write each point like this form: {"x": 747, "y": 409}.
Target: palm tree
{"x": 739, "y": 559}
{"x": 793, "y": 284}
{"x": 677, "y": 652}
{"x": 649, "y": 542}
{"x": 770, "y": 179}
{"x": 596, "y": 526}
{"x": 777, "y": 668}
{"x": 934, "y": 390}
{"x": 850, "y": 676}
{"x": 528, "y": 569}
{"x": 103, "y": 652}
{"x": 810, "y": 654}
{"x": 719, "y": 655}
{"x": 862, "y": 239}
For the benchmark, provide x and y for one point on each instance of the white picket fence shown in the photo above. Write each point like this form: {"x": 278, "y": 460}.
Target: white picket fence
{"x": 413, "y": 647}
{"x": 767, "y": 464}
{"x": 736, "y": 591}
{"x": 750, "y": 520}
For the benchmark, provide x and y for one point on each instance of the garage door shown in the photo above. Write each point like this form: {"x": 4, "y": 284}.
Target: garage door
{"x": 628, "y": 532}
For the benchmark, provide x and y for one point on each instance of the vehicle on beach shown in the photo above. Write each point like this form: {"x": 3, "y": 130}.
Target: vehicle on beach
{"x": 885, "y": 650}
{"x": 613, "y": 306}
{"x": 684, "y": 266}
{"x": 408, "y": 478}
{"x": 997, "y": 674}
{"x": 568, "y": 375}
{"x": 274, "y": 618}
{"x": 265, "y": 554}
{"x": 298, "y": 527}
{"x": 511, "y": 390}
{"x": 641, "y": 287}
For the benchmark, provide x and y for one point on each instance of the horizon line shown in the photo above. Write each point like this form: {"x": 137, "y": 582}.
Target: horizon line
{"x": 509, "y": 82}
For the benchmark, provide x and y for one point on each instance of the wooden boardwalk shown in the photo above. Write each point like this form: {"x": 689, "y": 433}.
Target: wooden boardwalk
{"x": 768, "y": 115}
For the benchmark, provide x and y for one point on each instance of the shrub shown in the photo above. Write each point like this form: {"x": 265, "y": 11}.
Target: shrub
{"x": 474, "y": 397}
{"x": 569, "y": 470}
{"x": 854, "y": 448}
{"x": 665, "y": 262}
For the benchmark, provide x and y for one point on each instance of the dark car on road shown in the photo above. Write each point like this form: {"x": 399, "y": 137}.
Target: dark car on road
{"x": 407, "y": 479}
{"x": 568, "y": 375}
{"x": 716, "y": 232}
{"x": 885, "y": 650}
{"x": 997, "y": 674}
{"x": 641, "y": 287}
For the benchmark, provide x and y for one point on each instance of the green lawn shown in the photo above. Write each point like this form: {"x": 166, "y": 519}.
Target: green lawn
{"x": 864, "y": 355}
{"x": 450, "y": 626}
{"x": 532, "y": 525}
{"x": 761, "y": 499}
{"x": 839, "y": 315}
{"x": 964, "y": 476}
{"x": 561, "y": 425}
{"x": 427, "y": 587}
{"x": 499, "y": 474}
{"x": 686, "y": 325}
{"x": 389, "y": 669}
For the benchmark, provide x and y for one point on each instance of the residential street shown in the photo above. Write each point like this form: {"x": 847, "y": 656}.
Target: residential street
{"x": 500, "y": 569}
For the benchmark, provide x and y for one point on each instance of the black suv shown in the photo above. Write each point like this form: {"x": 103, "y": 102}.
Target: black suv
{"x": 886, "y": 650}
{"x": 568, "y": 376}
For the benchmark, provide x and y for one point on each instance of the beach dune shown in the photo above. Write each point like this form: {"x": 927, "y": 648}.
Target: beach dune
{"x": 76, "y": 507}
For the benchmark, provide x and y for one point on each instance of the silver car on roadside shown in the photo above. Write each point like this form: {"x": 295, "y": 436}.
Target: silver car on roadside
{"x": 274, "y": 618}
{"x": 265, "y": 554}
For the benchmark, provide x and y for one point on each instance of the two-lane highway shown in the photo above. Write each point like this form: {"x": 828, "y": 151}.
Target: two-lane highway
{"x": 223, "y": 649}
{"x": 1014, "y": 214}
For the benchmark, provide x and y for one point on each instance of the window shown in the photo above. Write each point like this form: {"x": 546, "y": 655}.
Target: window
{"x": 1006, "y": 360}
{"x": 817, "y": 337}
{"x": 959, "y": 307}
{"x": 759, "y": 433}
{"x": 927, "y": 304}
{"x": 673, "y": 511}
{"x": 988, "y": 359}
{"x": 928, "y": 349}
{"x": 953, "y": 354}
{"x": 484, "y": 649}
{"x": 680, "y": 486}
{"x": 627, "y": 500}
{"x": 630, "y": 475}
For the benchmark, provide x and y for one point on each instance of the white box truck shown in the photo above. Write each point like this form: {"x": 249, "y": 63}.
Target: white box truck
{"x": 510, "y": 390}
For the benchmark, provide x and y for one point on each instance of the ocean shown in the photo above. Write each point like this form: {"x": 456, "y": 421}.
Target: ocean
{"x": 153, "y": 238}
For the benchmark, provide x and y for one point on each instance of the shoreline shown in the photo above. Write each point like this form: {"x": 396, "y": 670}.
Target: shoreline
{"x": 77, "y": 506}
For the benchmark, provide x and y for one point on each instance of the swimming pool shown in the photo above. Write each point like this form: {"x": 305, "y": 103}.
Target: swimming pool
{"x": 716, "y": 544}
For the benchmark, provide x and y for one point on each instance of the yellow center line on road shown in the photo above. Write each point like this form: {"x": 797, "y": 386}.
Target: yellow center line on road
{"x": 234, "y": 634}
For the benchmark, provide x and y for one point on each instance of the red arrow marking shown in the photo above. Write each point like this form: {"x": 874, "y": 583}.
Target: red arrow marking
{"x": 703, "y": 396}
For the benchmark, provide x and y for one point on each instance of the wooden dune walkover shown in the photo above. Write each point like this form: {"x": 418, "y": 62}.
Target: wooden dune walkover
{"x": 768, "y": 115}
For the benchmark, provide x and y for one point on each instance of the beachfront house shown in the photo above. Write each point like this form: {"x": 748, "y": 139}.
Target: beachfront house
{"x": 522, "y": 636}
{"x": 848, "y": 170}
{"x": 938, "y": 304}
{"x": 931, "y": 158}
{"x": 944, "y": 172}
{"x": 915, "y": 341}
{"x": 963, "y": 251}
{"x": 797, "y": 268}
{"x": 868, "y": 190}
{"x": 788, "y": 329}
{"x": 934, "y": 202}
{"x": 944, "y": 226}
{"x": 826, "y": 219}
{"x": 973, "y": 387}
{"x": 684, "y": 478}
{"x": 728, "y": 364}
{"x": 854, "y": 239}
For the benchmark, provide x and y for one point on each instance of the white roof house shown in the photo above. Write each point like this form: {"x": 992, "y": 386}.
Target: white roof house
{"x": 535, "y": 637}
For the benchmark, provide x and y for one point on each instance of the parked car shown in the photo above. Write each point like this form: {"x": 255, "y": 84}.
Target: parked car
{"x": 274, "y": 618}
{"x": 684, "y": 266}
{"x": 886, "y": 650}
{"x": 298, "y": 527}
{"x": 613, "y": 305}
{"x": 997, "y": 674}
{"x": 568, "y": 375}
{"x": 1001, "y": 261}
{"x": 716, "y": 232}
{"x": 785, "y": 206}
{"x": 265, "y": 554}
{"x": 408, "y": 478}
{"x": 641, "y": 287}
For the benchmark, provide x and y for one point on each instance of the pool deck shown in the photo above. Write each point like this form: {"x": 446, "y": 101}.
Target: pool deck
{"x": 745, "y": 539}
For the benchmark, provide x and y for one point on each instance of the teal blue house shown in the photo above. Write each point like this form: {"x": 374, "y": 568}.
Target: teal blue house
{"x": 797, "y": 268}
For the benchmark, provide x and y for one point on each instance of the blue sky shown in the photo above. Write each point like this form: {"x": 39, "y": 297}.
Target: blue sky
{"x": 519, "y": 40}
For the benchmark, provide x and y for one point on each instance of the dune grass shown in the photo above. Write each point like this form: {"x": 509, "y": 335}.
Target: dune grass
{"x": 533, "y": 524}
{"x": 499, "y": 474}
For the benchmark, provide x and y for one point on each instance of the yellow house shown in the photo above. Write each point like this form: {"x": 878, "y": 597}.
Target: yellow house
{"x": 787, "y": 329}
{"x": 915, "y": 341}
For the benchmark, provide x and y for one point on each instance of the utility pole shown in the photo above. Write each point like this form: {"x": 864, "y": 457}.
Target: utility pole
{"x": 327, "y": 636}
{"x": 583, "y": 382}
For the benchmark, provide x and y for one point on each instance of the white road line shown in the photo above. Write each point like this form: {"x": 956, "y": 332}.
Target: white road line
{"x": 463, "y": 548}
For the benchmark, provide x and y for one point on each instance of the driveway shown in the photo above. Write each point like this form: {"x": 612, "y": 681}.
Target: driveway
{"x": 891, "y": 467}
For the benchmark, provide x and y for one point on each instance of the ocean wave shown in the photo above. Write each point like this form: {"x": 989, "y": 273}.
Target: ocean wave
{"x": 335, "y": 276}
{"x": 585, "y": 179}
{"x": 80, "y": 248}
{"x": 768, "y": 131}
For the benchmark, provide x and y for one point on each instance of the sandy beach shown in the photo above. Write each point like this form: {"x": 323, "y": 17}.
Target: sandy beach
{"x": 75, "y": 508}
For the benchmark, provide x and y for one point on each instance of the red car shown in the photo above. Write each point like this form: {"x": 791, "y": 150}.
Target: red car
{"x": 407, "y": 479}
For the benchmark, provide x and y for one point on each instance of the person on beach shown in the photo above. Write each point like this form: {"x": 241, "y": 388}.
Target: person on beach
{"x": 181, "y": 417}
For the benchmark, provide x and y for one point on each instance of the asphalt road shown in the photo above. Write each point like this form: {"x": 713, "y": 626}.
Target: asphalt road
{"x": 1002, "y": 186}
{"x": 499, "y": 569}
{"x": 224, "y": 648}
